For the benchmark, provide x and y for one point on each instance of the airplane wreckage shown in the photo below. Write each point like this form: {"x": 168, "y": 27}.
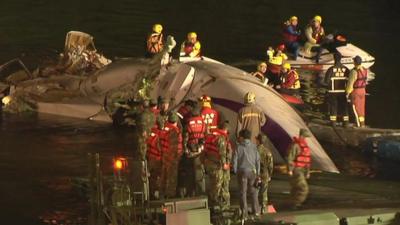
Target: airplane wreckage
{"x": 96, "y": 95}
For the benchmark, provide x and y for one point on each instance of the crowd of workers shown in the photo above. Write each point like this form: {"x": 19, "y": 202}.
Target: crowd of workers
{"x": 346, "y": 89}
{"x": 182, "y": 147}
{"x": 197, "y": 137}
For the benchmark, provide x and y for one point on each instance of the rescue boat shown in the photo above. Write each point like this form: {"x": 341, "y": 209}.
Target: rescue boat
{"x": 307, "y": 61}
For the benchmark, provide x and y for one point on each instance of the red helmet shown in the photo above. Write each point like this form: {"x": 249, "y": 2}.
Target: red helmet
{"x": 281, "y": 47}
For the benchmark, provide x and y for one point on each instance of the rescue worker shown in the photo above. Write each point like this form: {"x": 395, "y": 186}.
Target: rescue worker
{"x": 226, "y": 172}
{"x": 216, "y": 161}
{"x": 171, "y": 142}
{"x": 250, "y": 117}
{"x": 336, "y": 78}
{"x": 191, "y": 47}
{"x": 314, "y": 33}
{"x": 184, "y": 112}
{"x": 290, "y": 80}
{"x": 260, "y": 73}
{"x": 154, "y": 41}
{"x": 266, "y": 169}
{"x": 163, "y": 106}
{"x": 144, "y": 123}
{"x": 246, "y": 163}
{"x": 154, "y": 154}
{"x": 194, "y": 138}
{"x": 299, "y": 162}
{"x": 291, "y": 36}
{"x": 275, "y": 60}
{"x": 210, "y": 115}
{"x": 355, "y": 90}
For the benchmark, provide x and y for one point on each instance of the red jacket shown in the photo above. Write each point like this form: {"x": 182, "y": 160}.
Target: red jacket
{"x": 211, "y": 117}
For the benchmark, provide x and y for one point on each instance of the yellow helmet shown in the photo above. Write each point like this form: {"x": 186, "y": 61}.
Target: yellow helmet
{"x": 263, "y": 64}
{"x": 6, "y": 100}
{"x": 205, "y": 101}
{"x": 192, "y": 35}
{"x": 293, "y": 18}
{"x": 318, "y": 18}
{"x": 157, "y": 28}
{"x": 249, "y": 97}
{"x": 286, "y": 66}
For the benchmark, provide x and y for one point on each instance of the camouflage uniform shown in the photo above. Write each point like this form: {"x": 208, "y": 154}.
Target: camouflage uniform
{"x": 299, "y": 161}
{"x": 266, "y": 169}
{"x": 144, "y": 123}
{"x": 194, "y": 145}
{"x": 226, "y": 178}
{"x": 215, "y": 156}
{"x": 154, "y": 155}
{"x": 172, "y": 152}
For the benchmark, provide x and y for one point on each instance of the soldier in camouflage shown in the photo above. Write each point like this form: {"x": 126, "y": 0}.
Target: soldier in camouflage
{"x": 226, "y": 172}
{"x": 266, "y": 169}
{"x": 171, "y": 142}
{"x": 144, "y": 122}
{"x": 163, "y": 106}
{"x": 299, "y": 162}
{"x": 215, "y": 160}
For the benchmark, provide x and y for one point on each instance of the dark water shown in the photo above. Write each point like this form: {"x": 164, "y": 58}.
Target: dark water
{"x": 40, "y": 156}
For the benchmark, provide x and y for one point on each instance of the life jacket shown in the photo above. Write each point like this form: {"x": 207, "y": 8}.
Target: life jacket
{"x": 291, "y": 74}
{"x": 211, "y": 151}
{"x": 154, "y": 43}
{"x": 288, "y": 37}
{"x": 303, "y": 158}
{"x": 196, "y": 129}
{"x": 338, "y": 80}
{"x": 210, "y": 117}
{"x": 278, "y": 59}
{"x": 166, "y": 143}
{"x": 362, "y": 75}
{"x": 189, "y": 47}
{"x": 153, "y": 145}
{"x": 317, "y": 34}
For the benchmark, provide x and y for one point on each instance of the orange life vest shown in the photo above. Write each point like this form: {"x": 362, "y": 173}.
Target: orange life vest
{"x": 362, "y": 75}
{"x": 317, "y": 34}
{"x": 196, "y": 129}
{"x": 188, "y": 48}
{"x": 153, "y": 145}
{"x": 303, "y": 158}
{"x": 155, "y": 43}
{"x": 210, "y": 147}
{"x": 166, "y": 143}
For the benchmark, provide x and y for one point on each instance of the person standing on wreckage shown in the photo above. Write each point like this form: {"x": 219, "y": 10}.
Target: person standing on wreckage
{"x": 355, "y": 90}
{"x": 298, "y": 165}
{"x": 191, "y": 47}
{"x": 154, "y": 43}
{"x": 336, "y": 78}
